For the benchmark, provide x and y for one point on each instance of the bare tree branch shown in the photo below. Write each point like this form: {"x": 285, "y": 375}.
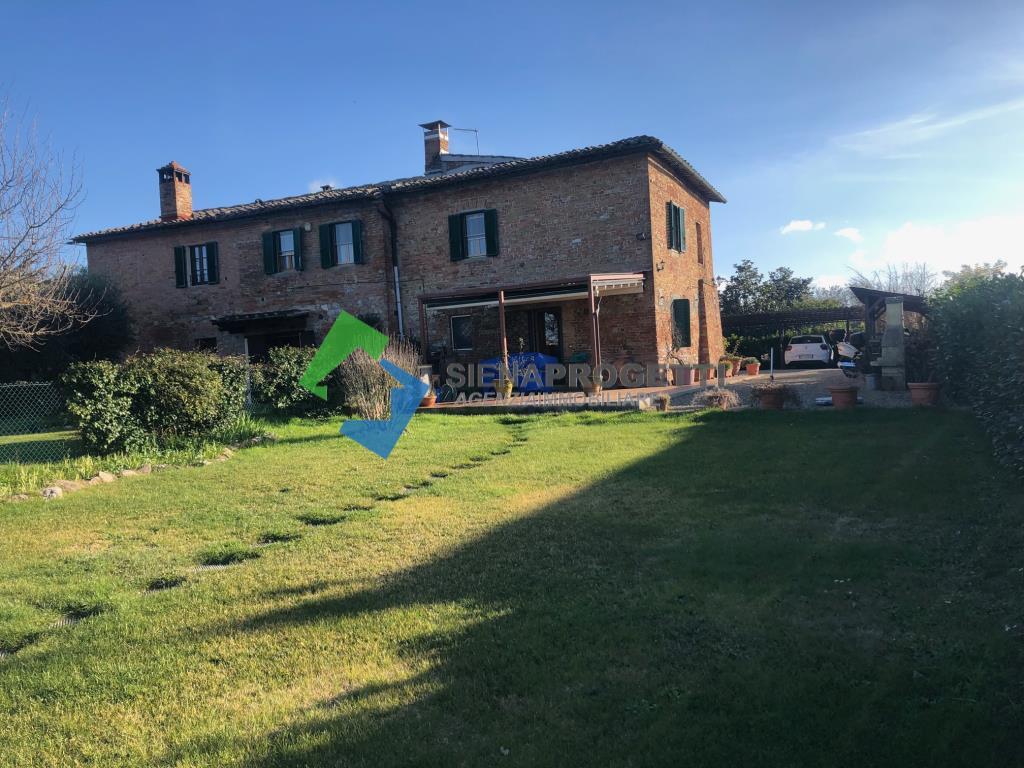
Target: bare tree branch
{"x": 39, "y": 192}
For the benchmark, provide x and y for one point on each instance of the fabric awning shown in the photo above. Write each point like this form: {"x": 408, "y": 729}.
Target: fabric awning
{"x": 571, "y": 289}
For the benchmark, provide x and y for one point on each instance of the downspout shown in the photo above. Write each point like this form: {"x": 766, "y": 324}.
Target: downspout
{"x": 389, "y": 216}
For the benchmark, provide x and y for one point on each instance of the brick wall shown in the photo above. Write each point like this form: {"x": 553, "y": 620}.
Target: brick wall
{"x": 143, "y": 267}
{"x": 681, "y": 276}
{"x": 603, "y": 216}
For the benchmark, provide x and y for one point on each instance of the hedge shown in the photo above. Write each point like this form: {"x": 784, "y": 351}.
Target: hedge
{"x": 978, "y": 326}
{"x": 154, "y": 400}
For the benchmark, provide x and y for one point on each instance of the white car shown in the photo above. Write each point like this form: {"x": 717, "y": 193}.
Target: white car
{"x": 808, "y": 350}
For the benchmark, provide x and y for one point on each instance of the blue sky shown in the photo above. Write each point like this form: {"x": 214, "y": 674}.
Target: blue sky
{"x": 842, "y": 134}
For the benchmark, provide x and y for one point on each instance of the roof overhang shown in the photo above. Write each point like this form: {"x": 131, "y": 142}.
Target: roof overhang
{"x": 569, "y": 289}
{"x": 254, "y": 322}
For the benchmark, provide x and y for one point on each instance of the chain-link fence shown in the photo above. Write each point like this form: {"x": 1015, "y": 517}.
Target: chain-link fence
{"x": 34, "y": 424}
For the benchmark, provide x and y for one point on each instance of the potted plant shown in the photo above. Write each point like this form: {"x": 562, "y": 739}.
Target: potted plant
{"x": 844, "y": 398}
{"x": 924, "y": 390}
{"x": 504, "y": 384}
{"x": 773, "y": 396}
{"x": 753, "y": 365}
{"x": 733, "y": 361}
{"x": 663, "y": 401}
{"x": 429, "y": 399}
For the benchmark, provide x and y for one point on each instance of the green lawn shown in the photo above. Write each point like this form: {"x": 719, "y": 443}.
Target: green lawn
{"x": 619, "y": 589}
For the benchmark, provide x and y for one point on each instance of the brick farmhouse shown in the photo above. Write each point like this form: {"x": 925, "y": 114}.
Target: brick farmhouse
{"x": 601, "y": 254}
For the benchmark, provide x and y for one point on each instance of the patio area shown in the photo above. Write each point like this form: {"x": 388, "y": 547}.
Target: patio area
{"x": 809, "y": 384}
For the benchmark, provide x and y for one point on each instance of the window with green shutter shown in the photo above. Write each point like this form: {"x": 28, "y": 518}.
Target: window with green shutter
{"x": 680, "y": 323}
{"x": 676, "y": 223}
{"x": 282, "y": 251}
{"x": 341, "y": 243}
{"x": 473, "y": 234}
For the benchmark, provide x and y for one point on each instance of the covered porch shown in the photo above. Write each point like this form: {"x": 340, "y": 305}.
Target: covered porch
{"x": 560, "y": 319}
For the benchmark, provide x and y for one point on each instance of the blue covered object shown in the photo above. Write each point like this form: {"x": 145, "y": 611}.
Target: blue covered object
{"x": 525, "y": 378}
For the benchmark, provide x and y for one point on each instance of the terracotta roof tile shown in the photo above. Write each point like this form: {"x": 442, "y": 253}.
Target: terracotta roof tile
{"x": 417, "y": 183}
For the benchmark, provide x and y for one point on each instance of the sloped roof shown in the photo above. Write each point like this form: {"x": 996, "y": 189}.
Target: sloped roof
{"x": 422, "y": 183}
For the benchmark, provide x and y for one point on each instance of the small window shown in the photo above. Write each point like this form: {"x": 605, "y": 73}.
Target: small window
{"x": 476, "y": 235}
{"x": 344, "y": 247}
{"x": 200, "y": 263}
{"x": 285, "y": 242}
{"x": 462, "y": 333}
{"x": 680, "y": 323}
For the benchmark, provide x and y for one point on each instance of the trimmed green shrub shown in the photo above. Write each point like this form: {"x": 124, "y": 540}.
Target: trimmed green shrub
{"x": 978, "y": 325}
{"x": 154, "y": 400}
{"x": 276, "y": 383}
{"x": 175, "y": 394}
{"x": 99, "y": 399}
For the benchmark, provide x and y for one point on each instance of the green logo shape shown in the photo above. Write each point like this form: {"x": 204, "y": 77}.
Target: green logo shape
{"x": 346, "y": 336}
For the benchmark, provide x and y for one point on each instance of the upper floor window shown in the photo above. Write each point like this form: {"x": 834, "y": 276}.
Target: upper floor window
{"x": 196, "y": 265}
{"x": 282, "y": 250}
{"x": 341, "y": 243}
{"x": 285, "y": 242}
{"x": 473, "y": 234}
{"x": 676, "y": 220}
{"x": 199, "y": 259}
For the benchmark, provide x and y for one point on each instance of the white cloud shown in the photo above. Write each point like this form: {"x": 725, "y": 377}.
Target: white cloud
{"x": 895, "y": 138}
{"x": 829, "y": 281}
{"x": 948, "y": 246}
{"x": 802, "y": 225}
{"x": 315, "y": 184}
{"x": 850, "y": 233}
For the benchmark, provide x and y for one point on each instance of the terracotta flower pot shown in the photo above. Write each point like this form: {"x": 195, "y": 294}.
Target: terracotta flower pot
{"x": 735, "y": 367}
{"x": 843, "y": 398}
{"x": 686, "y": 377}
{"x": 753, "y": 369}
{"x": 924, "y": 393}
{"x": 428, "y": 400}
{"x": 772, "y": 401}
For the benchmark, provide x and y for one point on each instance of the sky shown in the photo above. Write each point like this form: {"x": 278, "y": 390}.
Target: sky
{"x": 844, "y": 135}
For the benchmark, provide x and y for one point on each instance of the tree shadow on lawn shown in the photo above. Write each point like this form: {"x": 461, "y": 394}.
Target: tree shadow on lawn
{"x": 666, "y": 615}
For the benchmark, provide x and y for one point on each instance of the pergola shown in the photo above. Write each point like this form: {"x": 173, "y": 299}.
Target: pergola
{"x": 590, "y": 288}
{"x": 790, "y": 318}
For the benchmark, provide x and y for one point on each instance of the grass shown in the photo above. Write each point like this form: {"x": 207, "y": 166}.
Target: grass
{"x": 29, "y": 462}
{"x": 615, "y": 589}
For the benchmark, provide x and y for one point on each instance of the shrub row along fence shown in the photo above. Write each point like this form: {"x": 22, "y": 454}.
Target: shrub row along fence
{"x": 978, "y": 328}
{"x": 34, "y": 424}
{"x": 169, "y": 399}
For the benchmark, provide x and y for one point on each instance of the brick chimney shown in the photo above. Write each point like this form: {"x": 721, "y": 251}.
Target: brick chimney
{"x": 435, "y": 144}
{"x": 175, "y": 192}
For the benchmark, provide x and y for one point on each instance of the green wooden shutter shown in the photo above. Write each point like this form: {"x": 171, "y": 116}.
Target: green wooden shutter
{"x": 269, "y": 253}
{"x": 456, "y": 238}
{"x": 212, "y": 264}
{"x": 491, "y": 231}
{"x": 670, "y": 225}
{"x": 681, "y": 228}
{"x": 298, "y": 248}
{"x": 357, "y": 242}
{"x": 326, "y": 246}
{"x": 681, "y": 322}
{"x": 179, "y": 267}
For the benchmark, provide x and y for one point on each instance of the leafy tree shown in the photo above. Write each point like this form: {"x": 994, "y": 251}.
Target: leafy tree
{"x": 742, "y": 291}
{"x": 783, "y": 290}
